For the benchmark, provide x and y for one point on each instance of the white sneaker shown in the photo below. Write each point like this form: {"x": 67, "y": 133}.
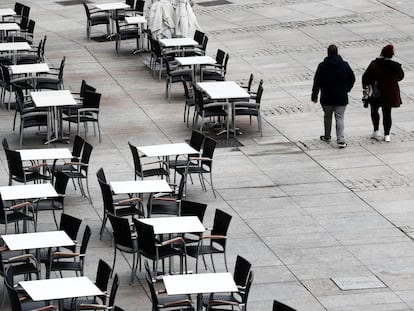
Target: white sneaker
{"x": 387, "y": 138}
{"x": 375, "y": 134}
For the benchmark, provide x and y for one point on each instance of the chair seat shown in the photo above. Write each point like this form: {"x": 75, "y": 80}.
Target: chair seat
{"x": 192, "y": 170}
{"x": 212, "y": 75}
{"x": 125, "y": 34}
{"x": 167, "y": 299}
{"x": 16, "y": 216}
{"x": 64, "y": 266}
{"x": 222, "y": 296}
{"x": 98, "y": 19}
{"x": 194, "y": 250}
{"x": 155, "y": 172}
{"x": 38, "y": 120}
{"x": 246, "y": 112}
{"x": 128, "y": 211}
{"x": 48, "y": 205}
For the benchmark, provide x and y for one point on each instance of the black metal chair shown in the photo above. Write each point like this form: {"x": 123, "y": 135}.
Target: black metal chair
{"x": 161, "y": 170}
{"x": 150, "y": 247}
{"x": 216, "y": 72}
{"x": 69, "y": 261}
{"x": 95, "y": 17}
{"x": 243, "y": 277}
{"x": 15, "y": 214}
{"x": 175, "y": 75}
{"x": 190, "y": 208}
{"x": 53, "y": 80}
{"x": 125, "y": 241}
{"x": 121, "y": 208}
{"x": 125, "y": 32}
{"x": 213, "y": 243}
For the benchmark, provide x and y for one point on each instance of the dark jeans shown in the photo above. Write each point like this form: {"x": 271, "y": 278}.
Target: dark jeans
{"x": 386, "y": 118}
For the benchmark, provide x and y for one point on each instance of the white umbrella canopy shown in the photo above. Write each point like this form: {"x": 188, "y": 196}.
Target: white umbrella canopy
{"x": 185, "y": 22}
{"x": 161, "y": 19}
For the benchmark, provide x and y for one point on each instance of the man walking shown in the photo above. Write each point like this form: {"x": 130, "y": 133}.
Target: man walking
{"x": 334, "y": 78}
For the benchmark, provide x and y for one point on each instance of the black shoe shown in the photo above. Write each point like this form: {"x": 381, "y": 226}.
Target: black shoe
{"x": 342, "y": 144}
{"x": 325, "y": 138}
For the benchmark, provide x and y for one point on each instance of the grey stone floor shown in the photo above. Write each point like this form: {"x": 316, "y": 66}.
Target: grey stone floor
{"x": 304, "y": 211}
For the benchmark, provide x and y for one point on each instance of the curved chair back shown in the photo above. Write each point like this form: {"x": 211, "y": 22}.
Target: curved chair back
{"x": 221, "y": 225}
{"x": 103, "y": 274}
{"x": 122, "y": 231}
{"x": 208, "y": 151}
{"x": 190, "y": 208}
{"x": 278, "y": 306}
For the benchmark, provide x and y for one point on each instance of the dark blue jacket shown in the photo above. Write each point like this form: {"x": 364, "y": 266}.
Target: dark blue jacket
{"x": 334, "y": 78}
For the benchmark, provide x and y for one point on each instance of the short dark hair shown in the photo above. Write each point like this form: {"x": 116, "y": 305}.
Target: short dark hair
{"x": 332, "y": 50}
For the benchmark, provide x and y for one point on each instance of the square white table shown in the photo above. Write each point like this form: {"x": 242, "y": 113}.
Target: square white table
{"x": 53, "y": 100}
{"x": 195, "y": 60}
{"x": 174, "y": 225}
{"x": 7, "y": 12}
{"x": 166, "y": 150}
{"x": 140, "y": 186}
{"x": 27, "y": 192}
{"x": 227, "y": 90}
{"x": 45, "y": 154}
{"x": 177, "y": 42}
{"x": 14, "y": 47}
{"x": 37, "y": 240}
{"x": 199, "y": 283}
{"x": 61, "y": 288}
{"x": 29, "y": 68}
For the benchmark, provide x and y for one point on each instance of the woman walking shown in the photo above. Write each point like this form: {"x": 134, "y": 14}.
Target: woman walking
{"x": 383, "y": 73}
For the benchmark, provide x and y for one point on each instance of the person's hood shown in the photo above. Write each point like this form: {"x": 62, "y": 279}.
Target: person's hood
{"x": 333, "y": 61}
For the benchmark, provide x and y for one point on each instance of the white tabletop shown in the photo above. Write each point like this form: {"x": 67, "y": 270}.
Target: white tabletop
{"x": 199, "y": 283}
{"x": 26, "y": 192}
{"x": 112, "y": 6}
{"x": 174, "y": 42}
{"x": 195, "y": 60}
{"x": 140, "y": 186}
{"x": 171, "y": 225}
{"x": 53, "y": 98}
{"x": 45, "y": 154}
{"x": 35, "y": 240}
{"x": 9, "y": 26}
{"x": 14, "y": 46}
{"x": 29, "y": 68}
{"x": 133, "y": 20}
{"x": 165, "y": 150}
{"x": 7, "y": 12}
{"x": 223, "y": 90}
{"x": 60, "y": 288}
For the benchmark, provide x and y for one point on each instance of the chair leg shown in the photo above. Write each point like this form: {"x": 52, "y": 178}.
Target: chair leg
{"x": 211, "y": 183}
{"x": 212, "y": 262}
{"x": 113, "y": 263}
{"x": 105, "y": 218}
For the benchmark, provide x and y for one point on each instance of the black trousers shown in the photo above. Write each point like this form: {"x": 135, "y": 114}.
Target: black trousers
{"x": 386, "y": 118}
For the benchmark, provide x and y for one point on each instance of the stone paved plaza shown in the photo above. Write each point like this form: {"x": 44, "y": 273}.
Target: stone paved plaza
{"x": 304, "y": 212}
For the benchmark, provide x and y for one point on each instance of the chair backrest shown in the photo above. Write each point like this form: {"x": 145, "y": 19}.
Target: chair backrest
{"x": 130, "y": 3}
{"x": 88, "y": 13}
{"x": 139, "y": 6}
{"x": 245, "y": 293}
{"x": 242, "y": 269}
{"x": 221, "y": 225}
{"x": 204, "y": 44}
{"x": 61, "y": 67}
{"x": 108, "y": 201}
{"x": 220, "y": 56}
{"x": 24, "y": 23}
{"x": 5, "y": 74}
{"x": 226, "y": 60}
{"x": 121, "y": 230}
{"x": 30, "y": 26}
{"x": 77, "y": 146}
{"x": 146, "y": 238}
{"x": 259, "y": 93}
{"x": 116, "y": 308}
{"x": 208, "y": 151}
{"x": 86, "y": 87}
{"x": 15, "y": 164}
{"x": 5, "y": 143}
{"x": 42, "y": 50}
{"x": 18, "y": 8}
{"x": 154, "y": 297}
{"x": 70, "y": 225}
{"x": 100, "y": 174}
{"x": 199, "y": 36}
{"x": 61, "y": 182}
{"x": 278, "y": 306}
{"x": 114, "y": 290}
{"x": 86, "y": 155}
{"x": 190, "y": 208}
{"x": 25, "y": 11}
{"x": 2, "y": 212}
{"x": 13, "y": 296}
{"x": 155, "y": 47}
{"x": 103, "y": 274}
{"x": 85, "y": 240}
{"x": 136, "y": 159}
{"x": 197, "y": 140}
{"x": 250, "y": 83}
{"x": 91, "y": 100}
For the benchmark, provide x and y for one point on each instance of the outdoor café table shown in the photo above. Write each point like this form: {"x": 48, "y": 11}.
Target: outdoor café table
{"x": 140, "y": 186}
{"x": 52, "y": 100}
{"x": 37, "y": 240}
{"x": 5, "y": 27}
{"x": 177, "y": 43}
{"x": 174, "y": 225}
{"x": 166, "y": 150}
{"x": 224, "y": 90}
{"x": 29, "y": 69}
{"x": 6, "y": 12}
{"x": 112, "y": 9}
{"x": 27, "y": 192}
{"x": 138, "y": 20}
{"x": 195, "y": 60}
{"x": 60, "y": 288}
{"x": 199, "y": 283}
{"x": 14, "y": 47}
